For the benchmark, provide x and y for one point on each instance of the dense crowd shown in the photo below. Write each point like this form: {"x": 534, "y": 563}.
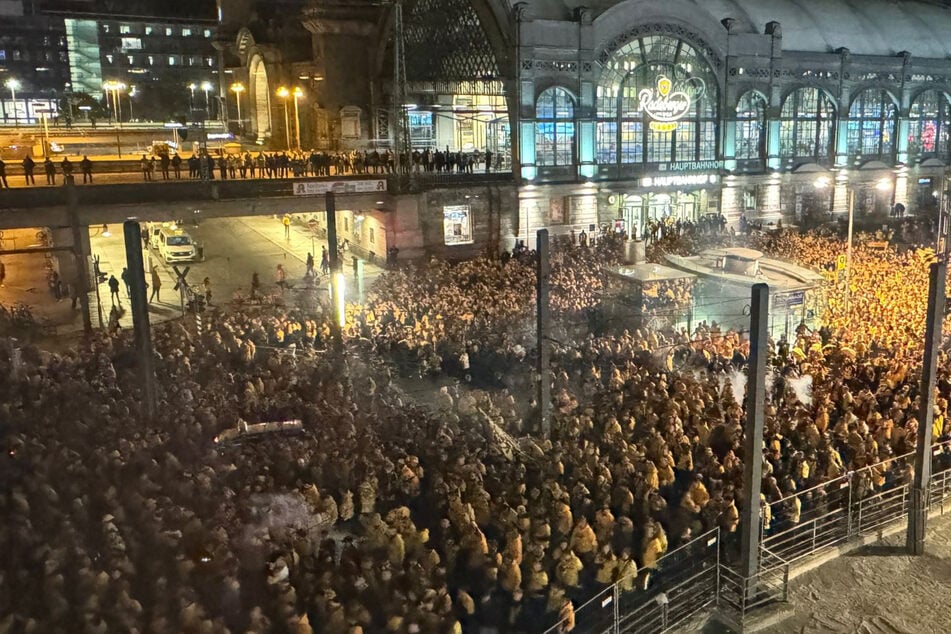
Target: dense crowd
{"x": 429, "y": 505}
{"x": 218, "y": 164}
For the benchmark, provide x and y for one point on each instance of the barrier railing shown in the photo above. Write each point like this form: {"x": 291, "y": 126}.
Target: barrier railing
{"x": 695, "y": 577}
{"x": 739, "y": 595}
{"x": 833, "y": 512}
{"x": 682, "y": 584}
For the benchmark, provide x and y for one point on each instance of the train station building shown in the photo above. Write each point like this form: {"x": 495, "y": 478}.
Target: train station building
{"x": 626, "y": 113}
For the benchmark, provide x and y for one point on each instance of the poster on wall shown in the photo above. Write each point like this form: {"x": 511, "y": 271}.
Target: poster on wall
{"x": 583, "y": 208}
{"x": 457, "y": 224}
{"x": 350, "y": 124}
{"x": 556, "y": 210}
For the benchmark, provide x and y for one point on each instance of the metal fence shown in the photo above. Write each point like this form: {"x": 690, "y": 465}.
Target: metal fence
{"x": 696, "y": 576}
{"x": 682, "y": 584}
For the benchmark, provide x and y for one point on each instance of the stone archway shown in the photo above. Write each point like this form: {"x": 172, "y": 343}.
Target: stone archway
{"x": 259, "y": 94}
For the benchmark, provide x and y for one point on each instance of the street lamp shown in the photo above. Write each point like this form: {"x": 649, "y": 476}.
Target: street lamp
{"x": 206, "y": 87}
{"x": 112, "y": 89}
{"x": 237, "y": 88}
{"x": 284, "y": 93}
{"x": 192, "y": 87}
{"x": 298, "y": 93}
{"x": 13, "y": 85}
{"x": 132, "y": 93}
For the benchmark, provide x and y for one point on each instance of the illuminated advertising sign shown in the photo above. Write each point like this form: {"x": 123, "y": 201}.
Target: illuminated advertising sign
{"x": 667, "y": 104}
{"x": 457, "y": 224}
{"x": 679, "y": 180}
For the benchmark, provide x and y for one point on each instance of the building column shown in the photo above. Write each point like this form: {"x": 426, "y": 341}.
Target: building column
{"x": 772, "y": 142}
{"x": 842, "y": 141}
{"x": 526, "y": 146}
{"x": 901, "y": 147}
{"x": 345, "y": 38}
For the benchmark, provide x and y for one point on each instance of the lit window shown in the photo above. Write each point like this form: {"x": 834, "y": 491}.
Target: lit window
{"x": 168, "y": 31}
{"x": 186, "y": 32}
{"x": 171, "y": 60}
{"x": 63, "y": 57}
{"x": 3, "y": 54}
{"x": 124, "y": 29}
{"x": 751, "y": 126}
{"x": 148, "y": 30}
{"x": 109, "y": 58}
{"x": 151, "y": 60}
{"x": 209, "y": 61}
{"x": 806, "y": 124}
{"x": 131, "y": 59}
{"x": 929, "y": 126}
{"x": 105, "y": 28}
{"x": 872, "y": 124}
{"x": 17, "y": 56}
{"x": 207, "y": 33}
{"x": 630, "y": 133}
{"x": 554, "y": 128}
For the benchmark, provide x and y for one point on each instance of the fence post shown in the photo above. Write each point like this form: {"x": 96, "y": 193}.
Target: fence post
{"x": 616, "y": 596}
{"x": 915, "y": 537}
{"x": 719, "y": 546}
{"x": 132, "y": 232}
{"x": 848, "y": 511}
{"x": 753, "y": 448}
{"x": 542, "y": 333}
{"x": 858, "y": 530}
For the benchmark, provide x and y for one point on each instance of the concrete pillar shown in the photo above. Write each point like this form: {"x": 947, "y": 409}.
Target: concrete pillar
{"x": 344, "y": 34}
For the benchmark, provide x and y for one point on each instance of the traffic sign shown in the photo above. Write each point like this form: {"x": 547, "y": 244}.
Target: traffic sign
{"x": 181, "y": 277}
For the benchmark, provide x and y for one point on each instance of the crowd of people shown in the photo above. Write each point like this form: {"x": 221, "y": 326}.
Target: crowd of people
{"x": 429, "y": 505}
{"x": 218, "y": 164}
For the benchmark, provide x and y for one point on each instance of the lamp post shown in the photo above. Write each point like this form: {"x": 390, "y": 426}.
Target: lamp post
{"x": 237, "y": 88}
{"x": 191, "y": 100}
{"x": 298, "y": 93}
{"x": 132, "y": 93}
{"x": 206, "y": 87}
{"x": 13, "y": 85}
{"x": 284, "y": 93}
{"x": 112, "y": 89}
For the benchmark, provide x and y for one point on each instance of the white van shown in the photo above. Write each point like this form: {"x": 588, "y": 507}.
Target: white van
{"x": 176, "y": 246}
{"x": 154, "y": 231}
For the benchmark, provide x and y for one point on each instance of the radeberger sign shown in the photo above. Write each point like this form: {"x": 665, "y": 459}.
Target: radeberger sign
{"x": 664, "y": 105}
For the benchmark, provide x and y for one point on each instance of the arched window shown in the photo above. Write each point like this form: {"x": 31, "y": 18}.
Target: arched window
{"x": 929, "y": 124}
{"x": 871, "y": 127}
{"x": 555, "y": 128}
{"x": 751, "y": 126}
{"x": 806, "y": 124}
{"x": 656, "y": 103}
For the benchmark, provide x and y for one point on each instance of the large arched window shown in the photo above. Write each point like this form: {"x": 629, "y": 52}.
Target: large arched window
{"x": 871, "y": 127}
{"x": 555, "y": 128}
{"x": 751, "y": 126}
{"x": 806, "y": 125}
{"x": 656, "y": 103}
{"x": 929, "y": 125}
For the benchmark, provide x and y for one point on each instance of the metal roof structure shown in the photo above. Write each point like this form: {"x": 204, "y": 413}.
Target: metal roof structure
{"x": 865, "y": 27}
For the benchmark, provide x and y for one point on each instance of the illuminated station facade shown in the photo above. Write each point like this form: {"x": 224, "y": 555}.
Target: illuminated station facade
{"x": 624, "y": 113}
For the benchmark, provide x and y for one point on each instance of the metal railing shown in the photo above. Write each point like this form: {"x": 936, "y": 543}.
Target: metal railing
{"x": 682, "y": 584}
{"x": 696, "y": 577}
{"x": 739, "y": 595}
{"x": 829, "y": 514}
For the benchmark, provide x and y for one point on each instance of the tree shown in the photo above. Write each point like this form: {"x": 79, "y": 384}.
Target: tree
{"x": 80, "y": 101}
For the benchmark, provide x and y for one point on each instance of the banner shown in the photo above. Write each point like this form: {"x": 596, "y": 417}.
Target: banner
{"x": 316, "y": 188}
